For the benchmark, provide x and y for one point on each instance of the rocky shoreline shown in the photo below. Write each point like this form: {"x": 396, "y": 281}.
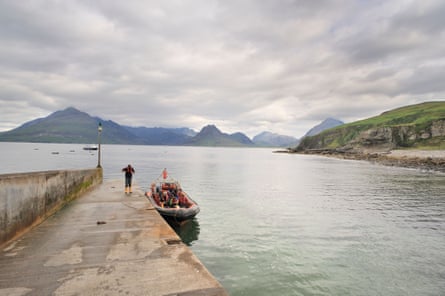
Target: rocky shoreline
{"x": 432, "y": 160}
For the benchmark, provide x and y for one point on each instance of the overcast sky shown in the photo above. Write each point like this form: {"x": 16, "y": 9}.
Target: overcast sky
{"x": 249, "y": 66}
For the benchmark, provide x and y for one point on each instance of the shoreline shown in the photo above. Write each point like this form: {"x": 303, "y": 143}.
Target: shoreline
{"x": 431, "y": 160}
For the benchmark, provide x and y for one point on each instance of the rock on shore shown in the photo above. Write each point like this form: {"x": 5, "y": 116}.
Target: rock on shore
{"x": 421, "y": 159}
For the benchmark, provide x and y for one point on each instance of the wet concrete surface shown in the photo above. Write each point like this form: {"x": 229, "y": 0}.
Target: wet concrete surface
{"x": 104, "y": 243}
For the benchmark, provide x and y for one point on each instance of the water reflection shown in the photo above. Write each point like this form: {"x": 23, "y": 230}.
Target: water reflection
{"x": 187, "y": 230}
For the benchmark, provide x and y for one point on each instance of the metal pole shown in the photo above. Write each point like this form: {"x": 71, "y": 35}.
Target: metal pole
{"x": 99, "y": 130}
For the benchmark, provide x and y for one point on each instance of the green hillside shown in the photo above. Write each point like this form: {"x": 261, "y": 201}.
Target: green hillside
{"x": 418, "y": 126}
{"x": 419, "y": 115}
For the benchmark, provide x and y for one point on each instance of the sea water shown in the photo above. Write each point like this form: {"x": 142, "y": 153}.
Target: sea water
{"x": 280, "y": 224}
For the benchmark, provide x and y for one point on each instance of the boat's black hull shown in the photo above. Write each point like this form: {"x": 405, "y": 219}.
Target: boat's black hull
{"x": 177, "y": 214}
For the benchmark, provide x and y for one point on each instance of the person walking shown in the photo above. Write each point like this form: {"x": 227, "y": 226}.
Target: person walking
{"x": 129, "y": 171}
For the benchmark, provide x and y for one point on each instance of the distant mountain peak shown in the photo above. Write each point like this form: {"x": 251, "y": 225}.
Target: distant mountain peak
{"x": 274, "y": 140}
{"x": 210, "y": 129}
{"x": 69, "y": 126}
{"x": 70, "y": 111}
{"x": 324, "y": 125}
{"x": 210, "y": 135}
{"x": 331, "y": 120}
{"x": 242, "y": 138}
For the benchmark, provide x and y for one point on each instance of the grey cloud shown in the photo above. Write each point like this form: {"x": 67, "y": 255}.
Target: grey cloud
{"x": 423, "y": 16}
{"x": 410, "y": 32}
{"x": 424, "y": 80}
{"x": 243, "y": 65}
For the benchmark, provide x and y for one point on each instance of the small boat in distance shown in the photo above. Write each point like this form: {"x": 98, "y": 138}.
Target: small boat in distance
{"x": 90, "y": 147}
{"x": 168, "y": 198}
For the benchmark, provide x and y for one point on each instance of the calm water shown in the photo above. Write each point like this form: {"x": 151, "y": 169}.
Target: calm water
{"x": 278, "y": 224}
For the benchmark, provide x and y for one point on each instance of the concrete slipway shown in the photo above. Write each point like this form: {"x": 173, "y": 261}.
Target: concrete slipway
{"x": 104, "y": 243}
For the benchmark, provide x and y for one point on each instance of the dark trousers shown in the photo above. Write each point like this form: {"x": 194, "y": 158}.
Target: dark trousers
{"x": 128, "y": 180}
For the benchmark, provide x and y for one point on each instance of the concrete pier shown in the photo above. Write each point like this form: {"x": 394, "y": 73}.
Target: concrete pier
{"x": 26, "y": 199}
{"x": 104, "y": 243}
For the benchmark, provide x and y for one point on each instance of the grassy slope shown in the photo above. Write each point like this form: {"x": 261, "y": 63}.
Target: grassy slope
{"x": 419, "y": 116}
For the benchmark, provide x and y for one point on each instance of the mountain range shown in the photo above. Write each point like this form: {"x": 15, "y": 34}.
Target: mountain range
{"x": 74, "y": 126}
{"x": 421, "y": 125}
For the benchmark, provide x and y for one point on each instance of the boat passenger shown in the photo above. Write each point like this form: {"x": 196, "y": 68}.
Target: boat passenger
{"x": 172, "y": 201}
{"x": 183, "y": 200}
{"x": 164, "y": 198}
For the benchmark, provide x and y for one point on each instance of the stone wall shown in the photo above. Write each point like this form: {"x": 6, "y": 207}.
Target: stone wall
{"x": 26, "y": 199}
